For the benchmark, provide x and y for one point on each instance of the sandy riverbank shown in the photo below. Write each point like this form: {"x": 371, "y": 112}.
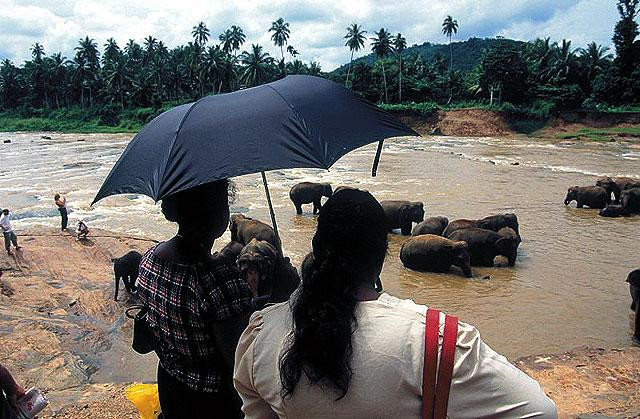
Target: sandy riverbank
{"x": 62, "y": 332}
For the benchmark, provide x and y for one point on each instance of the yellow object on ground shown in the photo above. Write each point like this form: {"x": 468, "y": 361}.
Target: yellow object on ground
{"x": 145, "y": 398}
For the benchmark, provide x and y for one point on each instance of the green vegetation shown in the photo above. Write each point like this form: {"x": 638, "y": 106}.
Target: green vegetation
{"x": 121, "y": 88}
{"x": 609, "y": 134}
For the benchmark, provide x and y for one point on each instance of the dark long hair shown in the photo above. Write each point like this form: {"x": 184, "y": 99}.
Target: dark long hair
{"x": 348, "y": 249}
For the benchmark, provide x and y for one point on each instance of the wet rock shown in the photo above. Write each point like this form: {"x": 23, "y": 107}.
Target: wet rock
{"x": 492, "y": 162}
{"x": 7, "y": 141}
{"x": 45, "y": 137}
{"x": 6, "y": 289}
{"x": 515, "y": 164}
{"x": 72, "y": 303}
{"x": 436, "y": 131}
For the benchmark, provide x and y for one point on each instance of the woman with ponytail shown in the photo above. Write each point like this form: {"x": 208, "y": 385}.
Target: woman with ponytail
{"x": 338, "y": 348}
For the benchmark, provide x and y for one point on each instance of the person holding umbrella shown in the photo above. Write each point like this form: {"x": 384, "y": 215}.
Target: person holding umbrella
{"x": 197, "y": 307}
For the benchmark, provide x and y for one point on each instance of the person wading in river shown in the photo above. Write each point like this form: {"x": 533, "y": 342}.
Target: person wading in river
{"x": 61, "y": 203}
{"x": 198, "y": 307}
{"x": 338, "y": 348}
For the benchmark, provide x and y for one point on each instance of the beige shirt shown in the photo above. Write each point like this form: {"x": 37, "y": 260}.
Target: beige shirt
{"x": 388, "y": 354}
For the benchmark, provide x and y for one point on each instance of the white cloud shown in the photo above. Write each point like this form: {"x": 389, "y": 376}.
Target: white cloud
{"x": 317, "y": 27}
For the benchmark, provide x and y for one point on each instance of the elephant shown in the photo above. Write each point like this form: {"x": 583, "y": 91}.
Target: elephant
{"x": 277, "y": 278}
{"x": 510, "y": 233}
{"x": 432, "y": 225}
{"x": 229, "y": 253}
{"x": 613, "y": 211}
{"x": 243, "y": 229}
{"x": 630, "y": 199}
{"x": 595, "y": 197}
{"x": 634, "y": 289}
{"x": 492, "y": 222}
{"x": 401, "y": 214}
{"x": 309, "y": 192}
{"x": 617, "y": 185}
{"x": 126, "y": 268}
{"x": 485, "y": 245}
{"x": 432, "y": 253}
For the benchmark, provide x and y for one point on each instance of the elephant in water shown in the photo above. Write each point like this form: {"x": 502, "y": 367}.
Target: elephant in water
{"x": 631, "y": 200}
{"x": 260, "y": 262}
{"x": 485, "y": 245}
{"x": 243, "y": 229}
{"x": 432, "y": 253}
{"x": 613, "y": 211}
{"x": 432, "y": 225}
{"x": 595, "y": 197}
{"x": 402, "y": 214}
{"x": 492, "y": 222}
{"x": 617, "y": 185}
{"x": 126, "y": 268}
{"x": 307, "y": 193}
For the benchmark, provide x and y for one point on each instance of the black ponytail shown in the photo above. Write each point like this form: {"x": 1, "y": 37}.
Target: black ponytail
{"x": 348, "y": 248}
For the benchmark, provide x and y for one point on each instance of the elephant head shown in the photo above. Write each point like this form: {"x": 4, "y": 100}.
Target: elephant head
{"x": 413, "y": 211}
{"x": 508, "y": 247}
{"x": 609, "y": 184}
{"x": 233, "y": 225}
{"x": 461, "y": 258}
{"x": 257, "y": 262}
{"x": 326, "y": 190}
{"x": 572, "y": 194}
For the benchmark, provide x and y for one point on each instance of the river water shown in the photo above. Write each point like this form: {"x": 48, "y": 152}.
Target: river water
{"x": 567, "y": 288}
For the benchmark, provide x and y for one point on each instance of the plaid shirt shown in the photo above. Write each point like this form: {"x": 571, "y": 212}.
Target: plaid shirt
{"x": 182, "y": 305}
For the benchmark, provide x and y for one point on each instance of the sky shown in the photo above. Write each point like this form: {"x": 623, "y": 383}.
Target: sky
{"x": 317, "y": 27}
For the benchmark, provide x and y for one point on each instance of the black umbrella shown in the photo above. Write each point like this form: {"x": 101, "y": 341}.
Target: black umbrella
{"x": 295, "y": 122}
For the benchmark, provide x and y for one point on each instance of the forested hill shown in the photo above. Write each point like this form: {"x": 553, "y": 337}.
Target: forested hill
{"x": 466, "y": 54}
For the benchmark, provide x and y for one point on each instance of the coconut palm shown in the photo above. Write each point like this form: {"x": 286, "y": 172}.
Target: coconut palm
{"x": 87, "y": 66}
{"x": 257, "y": 66}
{"x": 399, "y": 45}
{"x": 355, "y": 41}
{"x": 280, "y": 35}
{"x": 565, "y": 60}
{"x": 200, "y": 34}
{"x": 291, "y": 50}
{"x": 381, "y": 47}
{"x": 450, "y": 28}
{"x": 314, "y": 69}
{"x": 237, "y": 38}
{"x": 595, "y": 58}
{"x": 57, "y": 72}
{"x": 226, "y": 41}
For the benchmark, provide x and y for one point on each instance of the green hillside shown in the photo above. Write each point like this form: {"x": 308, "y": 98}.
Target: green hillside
{"x": 466, "y": 54}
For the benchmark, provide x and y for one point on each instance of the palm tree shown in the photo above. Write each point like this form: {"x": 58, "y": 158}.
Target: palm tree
{"x": 381, "y": 47}
{"x": 595, "y": 58}
{"x": 291, "y": 50}
{"x": 399, "y": 45}
{"x": 237, "y": 38}
{"x": 355, "y": 41}
{"x": 280, "y": 36}
{"x": 565, "y": 60}
{"x": 314, "y": 69}
{"x": 450, "y": 28}
{"x": 226, "y": 41}
{"x": 200, "y": 34}
{"x": 257, "y": 66}
{"x": 87, "y": 65}
{"x": 57, "y": 73}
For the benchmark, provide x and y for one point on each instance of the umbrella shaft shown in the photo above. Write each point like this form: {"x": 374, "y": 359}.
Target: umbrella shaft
{"x": 271, "y": 212}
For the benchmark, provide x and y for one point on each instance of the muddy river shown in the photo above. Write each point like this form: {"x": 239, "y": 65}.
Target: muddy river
{"x": 567, "y": 288}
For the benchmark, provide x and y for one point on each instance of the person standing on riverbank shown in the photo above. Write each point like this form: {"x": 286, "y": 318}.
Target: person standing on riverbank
{"x": 61, "y": 203}
{"x": 7, "y": 231}
{"x": 198, "y": 307}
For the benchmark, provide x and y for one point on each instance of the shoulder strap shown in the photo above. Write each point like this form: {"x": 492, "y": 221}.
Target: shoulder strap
{"x": 445, "y": 371}
{"x": 435, "y": 397}
{"x": 430, "y": 362}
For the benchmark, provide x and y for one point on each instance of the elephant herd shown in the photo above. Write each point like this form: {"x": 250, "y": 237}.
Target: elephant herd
{"x": 625, "y": 191}
{"x": 436, "y": 244}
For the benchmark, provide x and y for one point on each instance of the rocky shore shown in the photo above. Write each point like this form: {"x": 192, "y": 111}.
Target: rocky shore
{"x": 62, "y": 331}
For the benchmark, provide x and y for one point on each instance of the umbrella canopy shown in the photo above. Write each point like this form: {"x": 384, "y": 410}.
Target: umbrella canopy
{"x": 295, "y": 122}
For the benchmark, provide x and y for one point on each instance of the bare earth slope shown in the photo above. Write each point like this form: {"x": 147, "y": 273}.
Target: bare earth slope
{"x": 61, "y": 331}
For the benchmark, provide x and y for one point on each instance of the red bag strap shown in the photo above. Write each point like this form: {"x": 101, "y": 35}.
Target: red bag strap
{"x": 430, "y": 362}
{"x": 446, "y": 366}
{"x": 435, "y": 397}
